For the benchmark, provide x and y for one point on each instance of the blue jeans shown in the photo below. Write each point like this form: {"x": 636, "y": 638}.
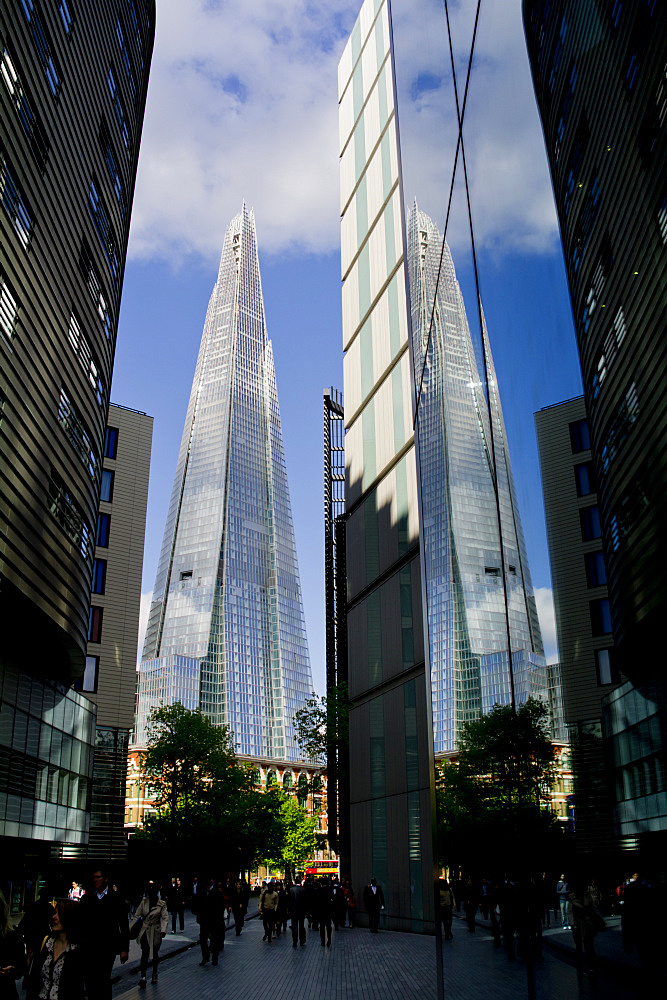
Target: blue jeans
{"x": 565, "y": 920}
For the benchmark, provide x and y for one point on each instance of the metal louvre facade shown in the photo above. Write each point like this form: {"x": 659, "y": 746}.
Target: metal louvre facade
{"x": 227, "y": 590}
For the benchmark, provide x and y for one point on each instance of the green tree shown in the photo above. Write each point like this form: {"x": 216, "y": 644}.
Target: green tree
{"x": 299, "y": 841}
{"x": 207, "y": 805}
{"x": 490, "y": 800}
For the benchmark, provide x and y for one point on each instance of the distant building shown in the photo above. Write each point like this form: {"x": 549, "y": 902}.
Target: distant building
{"x": 581, "y": 604}
{"x": 110, "y": 676}
{"x": 308, "y": 782}
{"x": 73, "y": 82}
{"x": 599, "y": 76}
{"x": 227, "y": 595}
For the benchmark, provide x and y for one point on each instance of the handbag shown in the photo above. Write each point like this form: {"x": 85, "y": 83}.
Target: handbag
{"x": 135, "y": 928}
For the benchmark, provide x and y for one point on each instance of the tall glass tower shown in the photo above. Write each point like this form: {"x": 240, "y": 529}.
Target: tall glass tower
{"x": 462, "y": 551}
{"x": 227, "y": 609}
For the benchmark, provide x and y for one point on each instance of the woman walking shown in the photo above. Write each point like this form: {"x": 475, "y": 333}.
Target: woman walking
{"x": 155, "y": 919}
{"x": 57, "y": 969}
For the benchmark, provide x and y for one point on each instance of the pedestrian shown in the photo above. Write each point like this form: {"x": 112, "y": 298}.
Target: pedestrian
{"x": 281, "y": 911}
{"x": 586, "y": 923}
{"x": 12, "y": 957}
{"x": 212, "y": 924}
{"x": 176, "y": 904}
{"x": 641, "y": 928}
{"x": 374, "y": 903}
{"x": 563, "y": 893}
{"x": 154, "y": 916}
{"x": 509, "y": 915}
{"x": 350, "y": 901}
{"x": 339, "y": 904}
{"x": 268, "y": 906}
{"x": 57, "y": 969}
{"x": 195, "y": 897}
{"x": 470, "y": 903}
{"x": 447, "y": 903}
{"x": 35, "y": 925}
{"x": 104, "y": 934}
{"x": 239, "y": 901}
{"x": 322, "y": 909}
{"x": 297, "y": 905}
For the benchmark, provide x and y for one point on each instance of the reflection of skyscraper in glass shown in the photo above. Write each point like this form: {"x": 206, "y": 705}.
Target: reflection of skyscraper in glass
{"x": 464, "y": 572}
{"x": 227, "y": 593}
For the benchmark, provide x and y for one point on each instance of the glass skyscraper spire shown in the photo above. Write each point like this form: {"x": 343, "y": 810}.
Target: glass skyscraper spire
{"x": 226, "y": 629}
{"x": 462, "y": 551}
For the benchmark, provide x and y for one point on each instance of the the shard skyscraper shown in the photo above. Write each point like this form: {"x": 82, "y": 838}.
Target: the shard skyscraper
{"x": 468, "y": 628}
{"x": 226, "y": 630}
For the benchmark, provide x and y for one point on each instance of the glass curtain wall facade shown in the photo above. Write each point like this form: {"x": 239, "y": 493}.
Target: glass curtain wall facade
{"x": 390, "y": 729}
{"x": 462, "y": 551}
{"x": 227, "y": 591}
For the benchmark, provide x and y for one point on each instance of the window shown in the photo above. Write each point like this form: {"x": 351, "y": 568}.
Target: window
{"x": 42, "y": 45}
{"x": 579, "y": 436}
{"x": 604, "y": 667}
{"x": 288, "y": 780}
{"x": 566, "y": 105}
{"x": 99, "y": 576}
{"x": 81, "y": 348}
{"x": 77, "y": 434}
{"x": 106, "y": 488}
{"x": 628, "y": 411}
{"x": 89, "y": 680}
{"x": 585, "y": 223}
{"x": 13, "y": 203}
{"x": 600, "y": 616}
{"x": 111, "y": 442}
{"x": 186, "y": 574}
{"x": 8, "y": 309}
{"x": 117, "y": 102}
{"x": 95, "y": 616}
{"x": 558, "y": 52}
{"x": 25, "y": 110}
{"x": 125, "y": 58}
{"x": 94, "y": 286}
{"x": 113, "y": 168}
{"x": 596, "y": 571}
{"x": 65, "y": 16}
{"x": 67, "y": 514}
{"x": 576, "y": 159}
{"x": 271, "y": 779}
{"x": 103, "y": 527}
{"x": 590, "y": 523}
{"x": 584, "y": 475}
{"x": 100, "y": 215}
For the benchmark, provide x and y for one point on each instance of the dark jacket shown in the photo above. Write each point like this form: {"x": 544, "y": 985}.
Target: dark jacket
{"x": 373, "y": 900}
{"x": 298, "y": 901}
{"x": 11, "y": 953}
{"x": 71, "y": 986}
{"x": 104, "y": 923}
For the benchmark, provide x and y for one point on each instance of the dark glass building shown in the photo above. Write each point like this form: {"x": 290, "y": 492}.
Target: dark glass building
{"x": 599, "y": 75}
{"x": 73, "y": 81}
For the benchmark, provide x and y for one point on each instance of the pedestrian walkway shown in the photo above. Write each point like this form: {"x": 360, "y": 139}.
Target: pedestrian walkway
{"x": 361, "y": 966}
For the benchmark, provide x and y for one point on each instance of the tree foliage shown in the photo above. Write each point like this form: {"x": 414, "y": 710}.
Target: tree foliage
{"x": 299, "y": 841}
{"x": 490, "y": 800}
{"x": 323, "y": 723}
{"x": 207, "y": 805}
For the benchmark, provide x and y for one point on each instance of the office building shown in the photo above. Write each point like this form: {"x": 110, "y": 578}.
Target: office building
{"x": 581, "y": 605}
{"x": 599, "y": 76}
{"x": 73, "y": 81}
{"x": 227, "y": 614}
{"x": 110, "y": 677}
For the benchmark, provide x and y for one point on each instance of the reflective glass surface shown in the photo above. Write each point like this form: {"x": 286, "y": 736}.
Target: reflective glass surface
{"x": 227, "y": 591}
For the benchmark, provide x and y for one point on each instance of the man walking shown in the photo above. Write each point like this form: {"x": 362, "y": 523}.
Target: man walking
{"x": 297, "y": 905}
{"x": 105, "y": 934}
{"x": 374, "y": 902}
{"x": 268, "y": 907}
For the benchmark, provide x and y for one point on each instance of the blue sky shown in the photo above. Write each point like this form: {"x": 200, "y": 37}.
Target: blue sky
{"x": 243, "y": 105}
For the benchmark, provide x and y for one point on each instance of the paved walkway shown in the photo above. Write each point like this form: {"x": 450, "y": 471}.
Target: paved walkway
{"x": 357, "y": 966}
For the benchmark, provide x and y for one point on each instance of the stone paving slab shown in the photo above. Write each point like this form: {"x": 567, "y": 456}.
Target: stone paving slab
{"x": 364, "y": 966}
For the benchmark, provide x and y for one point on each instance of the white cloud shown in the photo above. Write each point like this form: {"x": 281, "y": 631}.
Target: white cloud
{"x": 144, "y": 609}
{"x": 242, "y": 104}
{"x": 545, "y": 609}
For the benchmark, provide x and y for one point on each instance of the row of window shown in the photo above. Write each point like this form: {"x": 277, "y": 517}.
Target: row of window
{"x": 28, "y": 117}
{"x": 76, "y": 432}
{"x": 14, "y": 203}
{"x": 42, "y": 43}
{"x": 68, "y": 515}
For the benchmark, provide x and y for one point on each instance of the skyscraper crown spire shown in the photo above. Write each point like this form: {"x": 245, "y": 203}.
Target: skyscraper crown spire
{"x": 227, "y": 595}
